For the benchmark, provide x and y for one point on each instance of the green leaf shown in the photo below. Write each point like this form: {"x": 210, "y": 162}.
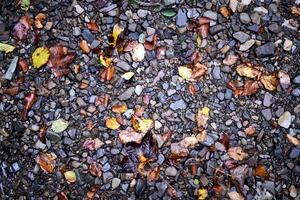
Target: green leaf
{"x": 6, "y": 47}
{"x": 59, "y": 125}
{"x": 168, "y": 13}
{"x": 25, "y": 4}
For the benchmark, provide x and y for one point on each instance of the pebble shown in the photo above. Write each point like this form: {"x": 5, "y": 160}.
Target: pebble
{"x": 241, "y": 36}
{"x": 127, "y": 94}
{"x": 140, "y": 187}
{"x": 210, "y": 14}
{"x": 267, "y": 114}
{"x": 266, "y": 50}
{"x": 274, "y": 28}
{"x": 295, "y": 153}
{"x": 216, "y": 29}
{"x": 123, "y": 65}
{"x": 296, "y": 92}
{"x": 171, "y": 171}
{"x": 161, "y": 188}
{"x": 181, "y": 18}
{"x": 233, "y": 4}
{"x": 268, "y": 99}
{"x": 245, "y": 2}
{"x": 261, "y": 10}
{"x": 217, "y": 73}
{"x": 287, "y": 45}
{"x": 247, "y": 45}
{"x": 285, "y": 120}
{"x": 180, "y": 104}
{"x": 11, "y": 68}
{"x": 52, "y": 136}
{"x": 244, "y": 18}
{"x": 296, "y": 80}
{"x": 138, "y": 90}
{"x": 107, "y": 176}
{"x": 88, "y": 36}
{"x": 142, "y": 13}
{"x": 115, "y": 183}
{"x": 79, "y": 9}
{"x": 40, "y": 145}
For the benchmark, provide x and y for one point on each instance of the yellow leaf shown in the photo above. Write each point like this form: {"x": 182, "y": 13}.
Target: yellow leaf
{"x": 6, "y": 47}
{"x": 247, "y": 71}
{"x": 40, "y": 57}
{"x": 112, "y": 123}
{"x": 270, "y": 82}
{"x": 185, "y": 73}
{"x": 204, "y": 111}
{"x": 70, "y": 176}
{"x": 141, "y": 125}
{"x": 117, "y": 30}
{"x": 202, "y": 194}
{"x": 199, "y": 39}
{"x": 105, "y": 61}
{"x": 128, "y": 75}
{"x": 119, "y": 108}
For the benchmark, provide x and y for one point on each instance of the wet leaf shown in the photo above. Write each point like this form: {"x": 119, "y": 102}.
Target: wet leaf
{"x": 185, "y": 73}
{"x": 7, "y": 48}
{"x": 202, "y": 117}
{"x": 141, "y": 125}
{"x": 237, "y": 153}
{"x": 202, "y": 194}
{"x": 20, "y": 30}
{"x": 117, "y": 30}
{"x": 128, "y": 75}
{"x": 251, "y": 130}
{"x": 95, "y": 169}
{"x": 70, "y": 176}
{"x": 153, "y": 174}
{"x": 93, "y": 26}
{"x": 235, "y": 196}
{"x": 92, "y": 144}
{"x": 168, "y": 12}
{"x": 112, "y": 123}
{"x": 25, "y": 4}
{"x": 171, "y": 191}
{"x": 130, "y": 135}
{"x": 270, "y": 82}
{"x": 59, "y": 125}
{"x": 224, "y": 139}
{"x": 84, "y": 46}
{"x": 46, "y": 161}
{"x": 293, "y": 140}
{"x": 138, "y": 53}
{"x": 225, "y": 11}
{"x": 247, "y": 70}
{"x": 119, "y": 108}
{"x": 39, "y": 19}
{"x": 261, "y": 171}
{"x": 29, "y": 100}
{"x": 151, "y": 45}
{"x": 40, "y": 57}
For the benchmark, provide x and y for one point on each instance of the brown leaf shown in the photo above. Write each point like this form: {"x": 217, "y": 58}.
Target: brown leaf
{"x": 204, "y": 20}
{"x": 247, "y": 70}
{"x": 153, "y": 174}
{"x": 130, "y": 45}
{"x": 95, "y": 169}
{"x": 250, "y": 87}
{"x": 235, "y": 196}
{"x": 93, "y": 26}
{"x": 46, "y": 161}
{"x": 230, "y": 60}
{"x": 130, "y": 135}
{"x": 270, "y": 82}
{"x": 251, "y": 130}
{"x": 43, "y": 131}
{"x": 192, "y": 89}
{"x": 218, "y": 189}
{"x": 261, "y": 171}
{"x": 161, "y": 52}
{"x": 84, "y": 46}
{"x": 92, "y": 144}
{"x": 151, "y": 45}
{"x": 39, "y": 18}
{"x": 171, "y": 191}
{"x": 295, "y": 11}
{"x": 237, "y": 153}
{"x": 62, "y": 196}
{"x": 107, "y": 73}
{"x": 119, "y": 108}
{"x": 102, "y": 100}
{"x": 225, "y": 11}
{"x": 23, "y": 65}
{"x": 224, "y": 139}
{"x": 293, "y": 140}
{"x": 198, "y": 71}
{"x": 29, "y": 100}
{"x": 12, "y": 91}
{"x": 20, "y": 30}
{"x": 91, "y": 193}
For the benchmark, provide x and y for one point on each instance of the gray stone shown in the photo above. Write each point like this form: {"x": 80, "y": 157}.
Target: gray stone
{"x": 233, "y": 4}
{"x": 107, "y": 176}
{"x": 210, "y": 14}
{"x": 181, "y": 18}
{"x": 52, "y": 136}
{"x": 241, "y": 36}
{"x": 266, "y": 50}
{"x": 267, "y": 114}
{"x": 123, "y": 65}
{"x": 216, "y": 29}
{"x": 261, "y": 10}
{"x": 296, "y": 92}
{"x": 11, "y": 68}
{"x": 161, "y": 188}
{"x": 275, "y": 28}
{"x": 244, "y": 18}
{"x": 171, "y": 171}
{"x": 217, "y": 73}
{"x": 285, "y": 120}
{"x": 127, "y": 94}
{"x": 297, "y": 79}
{"x": 192, "y": 13}
{"x": 88, "y": 36}
{"x": 295, "y": 152}
{"x": 142, "y": 13}
{"x": 180, "y": 104}
{"x": 268, "y": 99}
{"x": 115, "y": 183}
{"x": 139, "y": 90}
{"x": 247, "y": 45}
{"x": 79, "y": 9}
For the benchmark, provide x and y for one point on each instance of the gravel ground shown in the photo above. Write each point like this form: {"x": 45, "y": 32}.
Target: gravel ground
{"x": 264, "y": 124}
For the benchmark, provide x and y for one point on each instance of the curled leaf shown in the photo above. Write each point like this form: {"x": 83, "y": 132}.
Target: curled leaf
{"x": 202, "y": 117}
{"x": 46, "y": 161}
{"x": 29, "y": 100}
{"x": 40, "y": 57}
{"x": 107, "y": 73}
{"x": 247, "y": 70}
{"x": 293, "y": 140}
{"x": 130, "y": 135}
{"x": 38, "y": 20}
{"x": 237, "y": 153}
{"x": 7, "y": 48}
{"x": 151, "y": 45}
{"x": 185, "y": 72}
{"x": 70, "y": 176}
{"x": 112, "y": 123}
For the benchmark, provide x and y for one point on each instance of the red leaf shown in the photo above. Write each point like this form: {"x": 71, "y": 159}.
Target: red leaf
{"x": 23, "y": 66}
{"x": 21, "y": 28}
{"x": 29, "y": 100}
{"x": 12, "y": 91}
{"x": 224, "y": 139}
{"x": 153, "y": 175}
{"x": 203, "y": 20}
{"x": 93, "y": 26}
{"x": 203, "y": 29}
{"x": 151, "y": 45}
{"x": 192, "y": 89}
{"x": 62, "y": 196}
{"x": 102, "y": 100}
{"x": 95, "y": 169}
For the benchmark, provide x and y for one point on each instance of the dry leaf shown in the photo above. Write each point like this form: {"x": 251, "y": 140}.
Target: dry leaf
{"x": 251, "y": 130}
{"x": 38, "y": 20}
{"x": 105, "y": 61}
{"x": 112, "y": 123}
{"x": 270, "y": 82}
{"x": 130, "y": 45}
{"x": 235, "y": 196}
{"x": 202, "y": 136}
{"x": 198, "y": 71}
{"x": 46, "y": 161}
{"x": 7, "y": 48}
{"x": 141, "y": 125}
{"x": 185, "y": 73}
{"x": 93, "y": 26}
{"x": 119, "y": 108}
{"x": 117, "y": 30}
{"x": 295, "y": 11}
{"x": 237, "y": 153}
{"x": 21, "y": 28}
{"x": 230, "y": 60}
{"x": 261, "y": 171}
{"x": 23, "y": 66}
{"x": 92, "y": 144}
{"x": 29, "y": 100}
{"x": 153, "y": 174}
{"x": 130, "y": 135}
{"x": 95, "y": 169}
{"x": 293, "y": 140}
{"x": 171, "y": 191}
{"x": 12, "y": 91}
{"x": 151, "y": 45}
{"x": 225, "y": 11}
{"x": 84, "y": 46}
{"x": 70, "y": 176}
{"x": 202, "y": 117}
{"x": 192, "y": 89}
{"x": 247, "y": 70}
{"x": 224, "y": 139}
{"x": 202, "y": 194}
{"x": 107, "y": 73}
{"x": 250, "y": 87}
{"x": 239, "y": 173}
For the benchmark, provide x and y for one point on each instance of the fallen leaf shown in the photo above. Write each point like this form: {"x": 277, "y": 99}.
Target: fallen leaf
{"x": 153, "y": 174}
{"x": 230, "y": 60}
{"x": 70, "y": 176}
{"x": 105, "y": 61}
{"x": 185, "y": 73}
{"x": 237, "y": 153}
{"x": 12, "y": 91}
{"x": 141, "y": 125}
{"x": 59, "y": 125}
{"x": 29, "y": 100}
{"x": 203, "y": 30}
{"x": 203, "y": 20}
{"x": 130, "y": 135}
{"x": 93, "y": 26}
{"x": 128, "y": 75}
{"x": 38, "y": 20}
{"x": 20, "y": 30}
{"x": 225, "y": 11}
{"x": 84, "y": 46}
{"x": 178, "y": 150}
{"x": 192, "y": 89}
{"x": 119, "y": 108}
{"x": 198, "y": 71}
{"x": 151, "y": 45}
{"x": 218, "y": 189}
{"x": 91, "y": 193}
{"x": 250, "y": 87}
{"x": 25, "y": 4}
{"x": 161, "y": 52}
{"x": 171, "y": 191}
{"x": 270, "y": 82}
{"x": 130, "y": 45}
{"x": 102, "y": 100}
{"x": 62, "y": 196}
{"x": 112, "y": 123}
{"x": 261, "y": 171}
{"x": 199, "y": 40}
{"x": 293, "y": 140}
{"x": 239, "y": 174}
{"x": 202, "y": 194}
{"x": 138, "y": 53}
{"x": 251, "y": 130}
{"x": 247, "y": 70}
{"x": 224, "y": 139}
{"x": 46, "y": 161}
{"x": 40, "y": 57}
{"x": 235, "y": 196}
{"x": 23, "y": 66}
{"x": 117, "y": 30}
{"x": 95, "y": 169}
{"x": 107, "y": 73}
{"x": 202, "y": 136}
{"x": 92, "y": 144}
{"x": 7, "y": 48}
{"x": 202, "y": 118}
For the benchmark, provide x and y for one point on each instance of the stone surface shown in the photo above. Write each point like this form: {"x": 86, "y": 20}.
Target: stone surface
{"x": 285, "y": 120}
{"x": 266, "y": 50}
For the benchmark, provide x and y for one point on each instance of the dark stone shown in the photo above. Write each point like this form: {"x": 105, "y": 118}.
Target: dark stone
{"x": 295, "y": 152}
{"x": 140, "y": 186}
{"x": 266, "y": 50}
{"x": 216, "y": 29}
{"x": 88, "y": 36}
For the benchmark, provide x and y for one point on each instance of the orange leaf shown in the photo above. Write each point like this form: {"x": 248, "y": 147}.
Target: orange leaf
{"x": 84, "y": 46}
{"x": 38, "y": 20}
{"x": 237, "y": 153}
{"x": 293, "y": 140}
{"x": 192, "y": 89}
{"x": 119, "y": 108}
{"x": 261, "y": 171}
{"x": 198, "y": 71}
{"x": 153, "y": 175}
{"x": 112, "y": 123}
{"x": 47, "y": 161}
{"x": 151, "y": 45}
{"x": 93, "y": 26}
{"x": 270, "y": 82}
{"x": 29, "y": 100}
{"x": 107, "y": 73}
{"x": 226, "y": 12}
{"x": 250, "y": 130}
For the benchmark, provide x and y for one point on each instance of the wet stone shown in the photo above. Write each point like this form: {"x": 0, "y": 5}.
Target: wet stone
{"x": 296, "y": 92}
{"x": 275, "y": 28}
{"x": 52, "y": 136}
